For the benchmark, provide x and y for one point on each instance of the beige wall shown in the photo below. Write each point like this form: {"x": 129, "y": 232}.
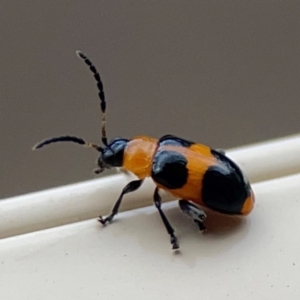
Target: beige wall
{"x": 224, "y": 73}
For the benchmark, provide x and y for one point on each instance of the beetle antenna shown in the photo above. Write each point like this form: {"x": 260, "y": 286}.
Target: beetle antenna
{"x": 67, "y": 138}
{"x": 101, "y": 93}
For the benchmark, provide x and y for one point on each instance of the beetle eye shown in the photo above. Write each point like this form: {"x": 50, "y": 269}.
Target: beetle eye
{"x": 113, "y": 154}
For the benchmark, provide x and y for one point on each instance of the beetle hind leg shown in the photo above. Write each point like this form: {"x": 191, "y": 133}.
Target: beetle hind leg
{"x": 194, "y": 212}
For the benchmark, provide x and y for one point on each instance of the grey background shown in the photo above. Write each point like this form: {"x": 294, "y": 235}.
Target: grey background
{"x": 223, "y": 73}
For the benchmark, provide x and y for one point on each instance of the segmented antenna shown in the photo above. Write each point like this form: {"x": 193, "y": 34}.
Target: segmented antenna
{"x": 67, "y": 138}
{"x": 101, "y": 93}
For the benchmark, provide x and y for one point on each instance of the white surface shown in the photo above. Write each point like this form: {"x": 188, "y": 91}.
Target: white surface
{"x": 271, "y": 159}
{"x": 67, "y": 204}
{"x": 254, "y": 258}
{"x": 89, "y": 199}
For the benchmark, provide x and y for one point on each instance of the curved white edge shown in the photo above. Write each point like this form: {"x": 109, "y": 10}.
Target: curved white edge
{"x": 267, "y": 160}
{"x": 256, "y": 257}
{"x": 68, "y": 204}
{"x": 88, "y": 199}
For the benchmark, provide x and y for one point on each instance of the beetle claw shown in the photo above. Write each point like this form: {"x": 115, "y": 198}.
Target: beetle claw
{"x": 101, "y": 220}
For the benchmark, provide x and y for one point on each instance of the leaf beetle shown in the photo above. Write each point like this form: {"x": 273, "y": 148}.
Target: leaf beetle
{"x": 192, "y": 172}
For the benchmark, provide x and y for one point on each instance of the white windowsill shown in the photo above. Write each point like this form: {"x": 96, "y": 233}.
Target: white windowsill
{"x": 256, "y": 257}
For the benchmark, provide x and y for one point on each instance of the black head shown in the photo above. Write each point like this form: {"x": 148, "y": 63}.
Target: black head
{"x": 112, "y": 153}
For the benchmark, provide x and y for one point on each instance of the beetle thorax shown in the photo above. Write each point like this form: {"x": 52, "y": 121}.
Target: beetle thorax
{"x": 138, "y": 155}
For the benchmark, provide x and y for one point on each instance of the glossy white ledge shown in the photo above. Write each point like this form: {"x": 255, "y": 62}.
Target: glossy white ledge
{"x": 256, "y": 257}
{"x": 87, "y": 200}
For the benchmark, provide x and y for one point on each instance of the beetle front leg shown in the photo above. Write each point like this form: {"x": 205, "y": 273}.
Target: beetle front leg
{"x": 194, "y": 212}
{"x": 130, "y": 187}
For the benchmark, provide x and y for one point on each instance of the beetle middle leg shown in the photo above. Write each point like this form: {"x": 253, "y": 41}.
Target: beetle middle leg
{"x": 170, "y": 230}
{"x": 130, "y": 187}
{"x": 194, "y": 212}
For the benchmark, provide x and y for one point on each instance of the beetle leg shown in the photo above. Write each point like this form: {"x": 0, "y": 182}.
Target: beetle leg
{"x": 170, "y": 230}
{"x": 130, "y": 187}
{"x": 194, "y": 212}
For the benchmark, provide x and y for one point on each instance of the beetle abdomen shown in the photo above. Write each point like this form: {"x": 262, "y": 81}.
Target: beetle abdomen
{"x": 224, "y": 188}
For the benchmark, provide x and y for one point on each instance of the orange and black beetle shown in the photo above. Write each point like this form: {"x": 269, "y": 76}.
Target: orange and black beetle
{"x": 187, "y": 170}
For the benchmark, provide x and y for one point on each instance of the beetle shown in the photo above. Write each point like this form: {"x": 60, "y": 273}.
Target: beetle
{"x": 196, "y": 174}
